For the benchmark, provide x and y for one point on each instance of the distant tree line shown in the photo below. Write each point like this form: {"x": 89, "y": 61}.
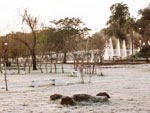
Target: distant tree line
{"x": 71, "y": 34}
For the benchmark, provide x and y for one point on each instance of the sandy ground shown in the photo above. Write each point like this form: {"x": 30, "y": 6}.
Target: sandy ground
{"x": 128, "y": 86}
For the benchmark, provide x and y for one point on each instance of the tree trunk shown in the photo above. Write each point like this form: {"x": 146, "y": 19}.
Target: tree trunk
{"x": 90, "y": 75}
{"x": 51, "y": 67}
{"x": 65, "y": 56}
{"x": 0, "y": 66}
{"x": 74, "y": 63}
{"x": 46, "y": 64}
{"x": 147, "y": 61}
{"x": 41, "y": 65}
{"x": 93, "y": 70}
{"x": 34, "y": 61}
{"x": 29, "y": 68}
{"x": 25, "y": 66}
{"x": 56, "y": 58}
{"x": 101, "y": 59}
{"x": 6, "y": 79}
{"x": 62, "y": 68}
{"x": 18, "y": 65}
{"x": 146, "y": 53}
{"x": 46, "y": 68}
{"x": 132, "y": 45}
{"x": 41, "y": 68}
{"x": 55, "y": 67}
{"x": 146, "y": 57}
{"x": 81, "y": 71}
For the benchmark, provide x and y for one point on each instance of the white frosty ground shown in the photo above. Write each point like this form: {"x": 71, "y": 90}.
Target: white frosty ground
{"x": 128, "y": 86}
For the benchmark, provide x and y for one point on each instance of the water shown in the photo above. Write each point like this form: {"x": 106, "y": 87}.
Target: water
{"x": 106, "y": 56}
{"x": 124, "y": 50}
{"x": 118, "y": 49}
{"x": 111, "y": 50}
{"x": 130, "y": 48}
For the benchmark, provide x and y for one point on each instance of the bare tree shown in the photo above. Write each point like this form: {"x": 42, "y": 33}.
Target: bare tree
{"x": 3, "y": 51}
{"x": 32, "y": 22}
{"x": 98, "y": 43}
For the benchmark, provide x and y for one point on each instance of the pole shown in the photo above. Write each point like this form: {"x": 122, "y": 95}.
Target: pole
{"x": 6, "y": 79}
{"x": 5, "y": 58}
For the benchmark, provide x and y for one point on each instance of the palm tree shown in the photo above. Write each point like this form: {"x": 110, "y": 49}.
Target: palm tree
{"x": 144, "y": 27}
{"x": 131, "y": 27}
{"x": 117, "y": 20}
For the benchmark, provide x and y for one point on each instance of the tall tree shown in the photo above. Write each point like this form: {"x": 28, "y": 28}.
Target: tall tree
{"x": 144, "y": 28}
{"x": 130, "y": 28}
{"x": 120, "y": 13}
{"x": 69, "y": 32}
{"x": 117, "y": 20}
{"x": 45, "y": 44}
{"x": 32, "y": 22}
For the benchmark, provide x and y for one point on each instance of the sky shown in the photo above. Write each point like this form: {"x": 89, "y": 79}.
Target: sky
{"x": 94, "y": 13}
